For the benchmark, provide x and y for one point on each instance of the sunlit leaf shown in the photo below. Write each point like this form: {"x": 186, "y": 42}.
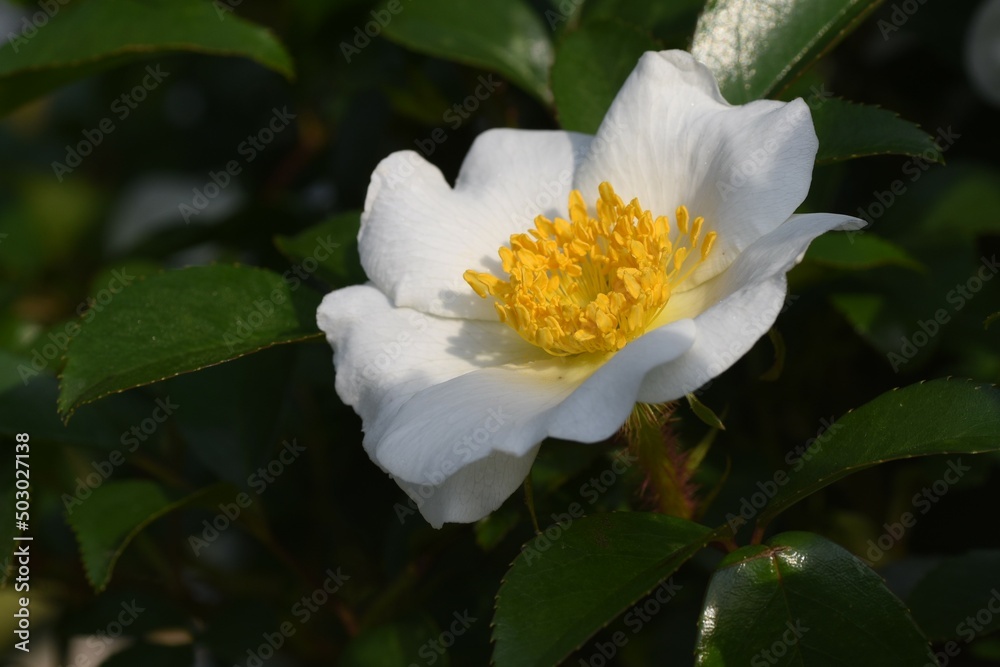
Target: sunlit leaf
{"x": 180, "y": 321}
{"x": 804, "y": 601}
{"x": 83, "y": 38}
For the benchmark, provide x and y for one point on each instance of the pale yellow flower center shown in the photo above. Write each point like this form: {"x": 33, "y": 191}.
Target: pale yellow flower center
{"x": 593, "y": 284}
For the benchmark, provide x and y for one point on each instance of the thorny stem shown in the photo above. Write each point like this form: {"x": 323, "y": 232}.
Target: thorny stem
{"x": 652, "y": 440}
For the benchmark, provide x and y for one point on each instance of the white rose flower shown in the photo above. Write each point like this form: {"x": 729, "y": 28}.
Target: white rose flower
{"x": 564, "y": 278}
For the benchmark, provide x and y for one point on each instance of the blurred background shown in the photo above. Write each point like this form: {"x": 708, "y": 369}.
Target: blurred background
{"x": 326, "y": 545}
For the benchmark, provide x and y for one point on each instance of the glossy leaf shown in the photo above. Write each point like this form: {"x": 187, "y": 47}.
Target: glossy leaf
{"x": 949, "y": 602}
{"x": 855, "y": 252}
{"x": 505, "y": 36}
{"x": 83, "y": 38}
{"x": 847, "y": 130}
{"x": 899, "y": 424}
{"x": 804, "y": 601}
{"x": 673, "y": 21}
{"x": 180, "y": 321}
{"x": 756, "y": 49}
{"x": 591, "y": 65}
{"x": 331, "y": 246}
{"x": 577, "y": 576}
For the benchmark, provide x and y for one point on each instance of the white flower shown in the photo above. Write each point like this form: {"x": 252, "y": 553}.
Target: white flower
{"x": 484, "y": 331}
{"x": 982, "y": 51}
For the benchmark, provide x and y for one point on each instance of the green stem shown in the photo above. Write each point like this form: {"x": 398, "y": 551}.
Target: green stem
{"x": 653, "y": 442}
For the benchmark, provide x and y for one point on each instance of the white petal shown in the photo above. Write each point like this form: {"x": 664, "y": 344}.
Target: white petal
{"x": 474, "y": 491}
{"x": 444, "y": 428}
{"x": 601, "y": 405}
{"x": 737, "y": 307}
{"x": 670, "y": 139}
{"x": 384, "y": 355}
{"x": 418, "y": 235}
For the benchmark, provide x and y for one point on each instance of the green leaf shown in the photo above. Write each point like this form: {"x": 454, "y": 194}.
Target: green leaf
{"x": 757, "y": 48}
{"x": 855, "y": 252}
{"x": 705, "y": 413}
{"x": 804, "y": 601}
{"x": 108, "y": 519}
{"x": 937, "y": 417}
{"x": 180, "y": 321}
{"x": 505, "y": 36}
{"x": 993, "y": 317}
{"x": 947, "y": 602}
{"x": 861, "y": 310}
{"x": 84, "y": 38}
{"x": 673, "y": 21}
{"x": 591, "y": 66}
{"x": 332, "y": 245}
{"x": 577, "y": 576}
{"x": 847, "y": 130}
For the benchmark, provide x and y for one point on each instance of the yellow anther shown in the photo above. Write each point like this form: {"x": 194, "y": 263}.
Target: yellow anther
{"x": 592, "y": 284}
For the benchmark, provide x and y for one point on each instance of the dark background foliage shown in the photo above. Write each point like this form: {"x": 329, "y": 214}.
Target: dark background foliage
{"x": 62, "y": 237}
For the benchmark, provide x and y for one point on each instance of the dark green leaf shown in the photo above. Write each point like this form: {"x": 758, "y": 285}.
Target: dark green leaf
{"x": 331, "y": 247}
{"x": 591, "y": 65}
{"x": 107, "y": 520}
{"x": 83, "y": 38}
{"x": 960, "y": 598}
{"x": 757, "y": 48}
{"x": 804, "y": 601}
{"x": 505, "y": 36}
{"x": 705, "y": 413}
{"x": 859, "y": 251}
{"x": 180, "y": 321}
{"x": 847, "y": 130}
{"x": 577, "y": 576}
{"x": 900, "y": 424}
{"x": 673, "y": 21}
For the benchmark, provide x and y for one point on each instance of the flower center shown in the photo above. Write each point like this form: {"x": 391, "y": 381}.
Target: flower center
{"x": 592, "y": 284}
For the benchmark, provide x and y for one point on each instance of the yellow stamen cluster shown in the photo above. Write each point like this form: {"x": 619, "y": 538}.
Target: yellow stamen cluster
{"x": 592, "y": 284}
